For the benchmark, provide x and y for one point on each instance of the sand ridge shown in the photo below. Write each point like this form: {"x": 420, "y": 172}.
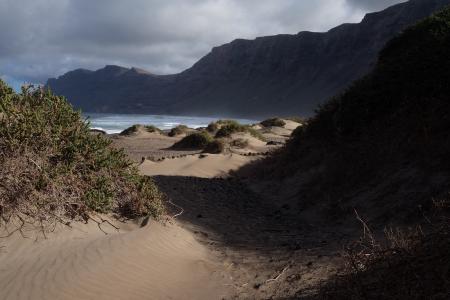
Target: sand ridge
{"x": 199, "y": 165}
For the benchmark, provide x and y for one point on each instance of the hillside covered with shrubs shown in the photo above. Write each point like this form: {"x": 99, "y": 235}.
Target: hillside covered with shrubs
{"x": 381, "y": 149}
{"x": 388, "y": 128}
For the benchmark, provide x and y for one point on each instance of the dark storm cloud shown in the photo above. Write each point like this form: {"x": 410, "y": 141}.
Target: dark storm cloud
{"x": 45, "y": 38}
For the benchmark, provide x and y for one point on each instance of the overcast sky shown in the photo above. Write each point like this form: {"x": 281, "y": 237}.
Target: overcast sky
{"x": 46, "y": 38}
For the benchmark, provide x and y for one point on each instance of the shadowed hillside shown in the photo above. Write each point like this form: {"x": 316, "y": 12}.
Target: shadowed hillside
{"x": 381, "y": 149}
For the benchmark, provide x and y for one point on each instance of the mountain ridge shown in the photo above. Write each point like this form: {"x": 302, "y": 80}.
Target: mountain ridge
{"x": 272, "y": 75}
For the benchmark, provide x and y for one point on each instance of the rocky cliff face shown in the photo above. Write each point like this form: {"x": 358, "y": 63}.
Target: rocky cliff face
{"x": 274, "y": 75}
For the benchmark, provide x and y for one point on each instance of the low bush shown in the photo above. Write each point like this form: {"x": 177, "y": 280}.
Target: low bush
{"x": 54, "y": 169}
{"x": 152, "y": 129}
{"x": 136, "y": 127}
{"x": 212, "y": 127}
{"x": 229, "y": 129}
{"x": 239, "y": 143}
{"x": 410, "y": 264}
{"x": 273, "y": 122}
{"x": 131, "y": 130}
{"x": 230, "y": 126}
{"x": 180, "y": 129}
{"x": 215, "y": 147}
{"x": 197, "y": 140}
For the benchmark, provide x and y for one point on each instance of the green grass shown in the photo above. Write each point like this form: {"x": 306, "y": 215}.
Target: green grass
{"x": 53, "y": 168}
{"x": 152, "y": 129}
{"x": 212, "y": 127}
{"x": 180, "y": 129}
{"x": 135, "y": 128}
{"x": 228, "y": 127}
{"x": 197, "y": 140}
{"x": 239, "y": 143}
{"x": 273, "y": 122}
{"x": 215, "y": 147}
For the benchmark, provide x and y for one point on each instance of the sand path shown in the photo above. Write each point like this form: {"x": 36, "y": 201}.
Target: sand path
{"x": 154, "y": 262}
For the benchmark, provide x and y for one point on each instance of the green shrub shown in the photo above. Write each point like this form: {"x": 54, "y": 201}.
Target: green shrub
{"x": 136, "y": 127}
{"x": 255, "y": 133}
{"x": 239, "y": 143}
{"x": 197, "y": 140}
{"x": 180, "y": 129}
{"x": 227, "y": 122}
{"x": 231, "y": 127}
{"x": 212, "y": 127}
{"x": 130, "y": 130}
{"x": 53, "y": 168}
{"x": 274, "y": 122}
{"x": 215, "y": 147}
{"x": 152, "y": 128}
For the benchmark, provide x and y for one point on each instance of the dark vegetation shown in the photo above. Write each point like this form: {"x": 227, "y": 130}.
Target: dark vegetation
{"x": 239, "y": 143}
{"x": 408, "y": 264}
{"x": 180, "y": 129}
{"x": 152, "y": 128}
{"x": 273, "y": 122}
{"x": 197, "y": 140}
{"x": 227, "y": 127}
{"x": 54, "y": 169}
{"x": 212, "y": 127}
{"x": 397, "y": 117}
{"x": 215, "y": 147}
{"x": 135, "y": 129}
{"x": 296, "y": 119}
{"x": 383, "y": 147}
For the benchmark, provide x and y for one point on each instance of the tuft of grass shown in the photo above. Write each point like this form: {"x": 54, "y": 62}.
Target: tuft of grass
{"x": 197, "y": 140}
{"x": 180, "y": 129}
{"x": 273, "y": 122}
{"x": 152, "y": 129}
{"x": 54, "y": 169}
{"x": 228, "y": 127}
{"x": 212, "y": 127}
{"x": 130, "y": 130}
{"x": 136, "y": 127}
{"x": 239, "y": 143}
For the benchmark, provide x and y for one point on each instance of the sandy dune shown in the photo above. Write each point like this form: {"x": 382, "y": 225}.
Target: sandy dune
{"x": 154, "y": 262}
{"x": 228, "y": 243}
{"x": 149, "y": 145}
{"x": 204, "y": 166}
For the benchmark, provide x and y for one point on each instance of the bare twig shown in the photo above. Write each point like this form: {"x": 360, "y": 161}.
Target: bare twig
{"x": 101, "y": 222}
{"x": 367, "y": 231}
{"x": 179, "y": 207}
{"x": 279, "y": 275}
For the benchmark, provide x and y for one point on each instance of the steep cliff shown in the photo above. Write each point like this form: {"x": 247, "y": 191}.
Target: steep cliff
{"x": 274, "y": 75}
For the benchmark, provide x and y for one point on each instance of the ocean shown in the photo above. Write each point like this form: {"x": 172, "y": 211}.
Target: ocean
{"x": 115, "y": 123}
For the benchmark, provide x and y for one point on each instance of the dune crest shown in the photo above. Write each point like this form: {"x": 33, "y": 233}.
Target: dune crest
{"x": 204, "y": 166}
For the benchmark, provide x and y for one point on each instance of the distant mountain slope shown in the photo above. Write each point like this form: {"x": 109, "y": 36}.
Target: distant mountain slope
{"x": 274, "y": 75}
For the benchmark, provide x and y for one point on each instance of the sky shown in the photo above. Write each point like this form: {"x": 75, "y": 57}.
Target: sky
{"x": 46, "y": 38}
